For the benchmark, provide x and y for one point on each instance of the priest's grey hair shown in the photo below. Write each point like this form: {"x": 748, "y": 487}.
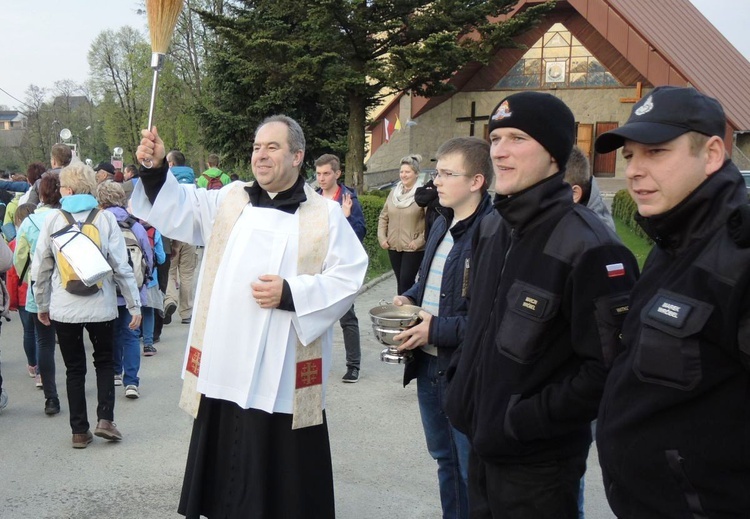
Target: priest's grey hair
{"x": 296, "y": 135}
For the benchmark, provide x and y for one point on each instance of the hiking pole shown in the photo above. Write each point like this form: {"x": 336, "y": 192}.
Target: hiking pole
{"x": 162, "y": 17}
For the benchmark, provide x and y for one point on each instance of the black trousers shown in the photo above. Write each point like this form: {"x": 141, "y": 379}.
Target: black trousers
{"x": 405, "y": 267}
{"x": 541, "y": 490}
{"x": 102, "y": 336}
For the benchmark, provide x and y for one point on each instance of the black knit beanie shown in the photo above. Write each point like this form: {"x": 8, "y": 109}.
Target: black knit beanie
{"x": 544, "y": 117}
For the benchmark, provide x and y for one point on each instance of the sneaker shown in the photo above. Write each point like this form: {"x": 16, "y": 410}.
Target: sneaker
{"x": 52, "y": 406}
{"x": 3, "y": 399}
{"x": 168, "y": 311}
{"x": 107, "y": 430}
{"x": 38, "y": 381}
{"x": 132, "y": 392}
{"x": 118, "y": 380}
{"x": 31, "y": 370}
{"x": 186, "y": 320}
{"x": 149, "y": 351}
{"x": 82, "y": 440}
{"x": 352, "y": 376}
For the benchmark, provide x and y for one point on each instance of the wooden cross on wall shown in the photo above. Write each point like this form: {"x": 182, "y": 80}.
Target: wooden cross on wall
{"x": 638, "y": 94}
{"x": 473, "y": 118}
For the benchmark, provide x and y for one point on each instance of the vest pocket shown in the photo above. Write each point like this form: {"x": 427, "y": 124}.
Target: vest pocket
{"x": 528, "y": 313}
{"x": 668, "y": 350}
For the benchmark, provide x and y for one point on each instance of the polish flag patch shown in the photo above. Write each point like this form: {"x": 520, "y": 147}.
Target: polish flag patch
{"x": 615, "y": 270}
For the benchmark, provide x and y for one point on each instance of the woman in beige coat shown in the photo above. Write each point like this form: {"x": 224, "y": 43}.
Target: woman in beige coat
{"x": 401, "y": 225}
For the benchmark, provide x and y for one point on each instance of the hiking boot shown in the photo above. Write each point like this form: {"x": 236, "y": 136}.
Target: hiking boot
{"x": 352, "y": 375}
{"x": 118, "y": 380}
{"x": 149, "y": 351}
{"x": 82, "y": 440}
{"x": 52, "y": 406}
{"x": 107, "y": 430}
{"x": 3, "y": 399}
{"x": 131, "y": 391}
{"x": 168, "y": 311}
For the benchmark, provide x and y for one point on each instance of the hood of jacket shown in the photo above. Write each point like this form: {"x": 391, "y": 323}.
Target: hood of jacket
{"x": 120, "y": 213}
{"x": 78, "y": 203}
{"x": 183, "y": 174}
{"x": 213, "y": 172}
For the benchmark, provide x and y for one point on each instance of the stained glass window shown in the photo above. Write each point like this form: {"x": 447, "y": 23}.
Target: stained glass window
{"x": 557, "y": 59}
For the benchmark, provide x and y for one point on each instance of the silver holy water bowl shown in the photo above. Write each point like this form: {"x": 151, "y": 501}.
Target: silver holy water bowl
{"x": 388, "y": 320}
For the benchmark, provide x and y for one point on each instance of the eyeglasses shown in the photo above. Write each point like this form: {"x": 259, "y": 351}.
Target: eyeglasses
{"x": 446, "y": 174}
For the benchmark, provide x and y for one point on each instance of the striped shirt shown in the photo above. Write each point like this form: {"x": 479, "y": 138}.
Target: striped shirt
{"x": 431, "y": 298}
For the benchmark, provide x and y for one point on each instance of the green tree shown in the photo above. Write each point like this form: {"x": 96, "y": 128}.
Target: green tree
{"x": 66, "y": 105}
{"x": 323, "y": 60}
{"x": 120, "y": 82}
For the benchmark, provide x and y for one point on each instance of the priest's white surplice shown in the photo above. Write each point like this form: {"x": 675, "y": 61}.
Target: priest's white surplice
{"x": 249, "y": 352}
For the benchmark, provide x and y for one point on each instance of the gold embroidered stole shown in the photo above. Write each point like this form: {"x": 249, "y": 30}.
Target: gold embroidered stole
{"x": 313, "y": 246}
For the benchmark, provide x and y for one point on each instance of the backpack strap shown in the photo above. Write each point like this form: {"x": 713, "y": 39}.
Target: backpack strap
{"x": 25, "y": 268}
{"x": 68, "y": 217}
{"x": 91, "y": 216}
{"x": 71, "y": 223}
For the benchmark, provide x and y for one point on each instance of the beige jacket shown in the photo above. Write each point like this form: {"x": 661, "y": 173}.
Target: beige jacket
{"x": 401, "y": 227}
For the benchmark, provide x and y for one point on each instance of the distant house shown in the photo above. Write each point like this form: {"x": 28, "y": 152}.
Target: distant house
{"x": 599, "y": 57}
{"x": 12, "y": 120}
{"x": 70, "y": 103}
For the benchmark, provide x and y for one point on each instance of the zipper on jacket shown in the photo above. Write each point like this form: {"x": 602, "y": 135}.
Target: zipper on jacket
{"x": 507, "y": 253}
{"x": 465, "y": 286}
{"x": 499, "y": 282}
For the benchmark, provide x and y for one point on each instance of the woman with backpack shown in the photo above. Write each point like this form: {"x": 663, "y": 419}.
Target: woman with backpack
{"x": 72, "y": 309}
{"x": 48, "y": 189}
{"x": 17, "y": 289}
{"x": 154, "y": 301}
{"x": 127, "y": 348}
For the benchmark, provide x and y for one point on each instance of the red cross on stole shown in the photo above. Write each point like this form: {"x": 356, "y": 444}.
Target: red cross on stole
{"x": 309, "y": 373}
{"x": 194, "y": 361}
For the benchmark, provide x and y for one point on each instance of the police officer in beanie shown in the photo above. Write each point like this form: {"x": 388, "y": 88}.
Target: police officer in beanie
{"x": 549, "y": 288}
{"x": 674, "y": 426}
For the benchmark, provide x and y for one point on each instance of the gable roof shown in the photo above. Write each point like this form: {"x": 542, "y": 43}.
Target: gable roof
{"x": 664, "y": 42}
{"x": 676, "y": 32}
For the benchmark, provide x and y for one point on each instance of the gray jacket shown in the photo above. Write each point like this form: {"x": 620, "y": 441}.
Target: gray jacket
{"x": 70, "y": 308}
{"x": 596, "y": 204}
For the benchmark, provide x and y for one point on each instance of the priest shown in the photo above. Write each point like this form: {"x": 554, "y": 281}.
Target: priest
{"x": 281, "y": 266}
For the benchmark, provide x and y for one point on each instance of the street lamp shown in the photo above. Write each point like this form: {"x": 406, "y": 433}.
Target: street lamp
{"x": 117, "y": 158}
{"x": 54, "y": 133}
{"x": 65, "y": 136}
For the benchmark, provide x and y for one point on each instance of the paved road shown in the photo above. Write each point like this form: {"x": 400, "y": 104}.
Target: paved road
{"x": 381, "y": 466}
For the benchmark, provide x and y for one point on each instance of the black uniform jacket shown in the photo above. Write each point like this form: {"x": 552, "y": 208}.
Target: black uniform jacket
{"x": 549, "y": 291}
{"x": 674, "y": 428}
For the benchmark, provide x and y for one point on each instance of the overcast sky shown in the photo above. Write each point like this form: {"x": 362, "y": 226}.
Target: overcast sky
{"x": 46, "y": 41}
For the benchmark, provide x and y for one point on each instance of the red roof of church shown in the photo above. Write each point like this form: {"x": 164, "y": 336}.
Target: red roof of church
{"x": 664, "y": 42}
{"x": 681, "y": 35}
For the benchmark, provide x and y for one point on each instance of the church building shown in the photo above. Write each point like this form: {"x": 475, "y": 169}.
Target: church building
{"x": 599, "y": 57}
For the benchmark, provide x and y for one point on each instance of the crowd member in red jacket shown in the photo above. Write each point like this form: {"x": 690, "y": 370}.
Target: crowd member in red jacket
{"x": 17, "y": 290}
